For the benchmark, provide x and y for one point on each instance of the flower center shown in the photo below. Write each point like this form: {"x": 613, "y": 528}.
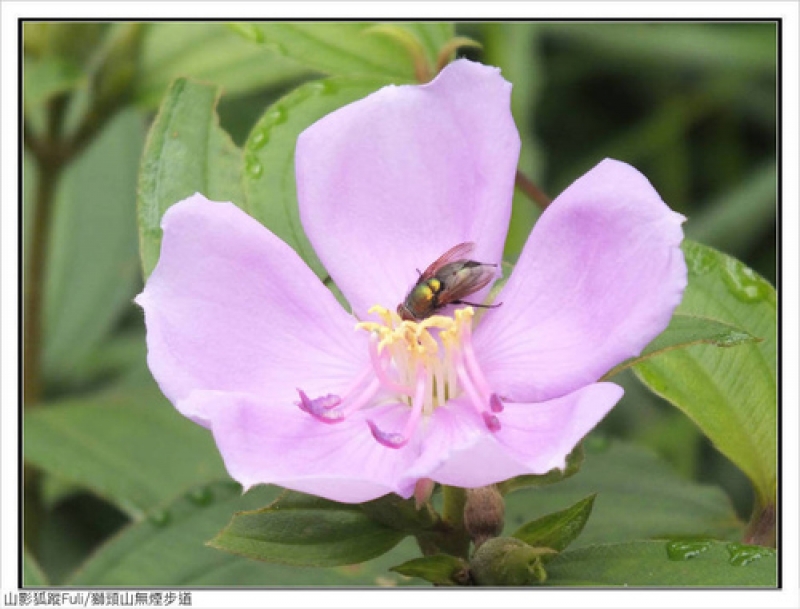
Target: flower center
{"x": 421, "y": 364}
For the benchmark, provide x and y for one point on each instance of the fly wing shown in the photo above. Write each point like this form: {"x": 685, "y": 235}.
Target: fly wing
{"x": 456, "y": 253}
{"x": 463, "y": 278}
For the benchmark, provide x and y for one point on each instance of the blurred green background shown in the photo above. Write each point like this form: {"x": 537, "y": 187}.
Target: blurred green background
{"x": 691, "y": 105}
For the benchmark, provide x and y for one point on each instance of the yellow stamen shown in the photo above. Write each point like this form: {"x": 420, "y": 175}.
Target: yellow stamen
{"x": 429, "y": 347}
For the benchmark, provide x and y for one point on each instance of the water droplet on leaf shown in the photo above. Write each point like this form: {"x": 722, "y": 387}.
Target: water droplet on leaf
{"x": 159, "y": 518}
{"x": 253, "y": 167}
{"x": 741, "y": 554}
{"x": 276, "y": 115}
{"x": 258, "y": 139}
{"x": 742, "y": 282}
{"x": 201, "y": 496}
{"x": 323, "y": 87}
{"x": 684, "y": 549}
{"x": 700, "y": 262}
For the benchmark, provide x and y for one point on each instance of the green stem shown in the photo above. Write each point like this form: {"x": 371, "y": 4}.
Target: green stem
{"x": 48, "y": 175}
{"x": 50, "y": 158}
{"x": 453, "y": 509}
{"x": 454, "y": 538}
{"x": 448, "y": 536}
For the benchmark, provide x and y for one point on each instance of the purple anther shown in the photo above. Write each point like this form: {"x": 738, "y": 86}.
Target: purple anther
{"x": 321, "y": 408}
{"x": 495, "y": 404}
{"x": 492, "y": 422}
{"x": 390, "y": 440}
{"x": 326, "y": 402}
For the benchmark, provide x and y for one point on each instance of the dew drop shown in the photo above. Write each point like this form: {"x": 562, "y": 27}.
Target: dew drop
{"x": 742, "y": 282}
{"x": 700, "y": 262}
{"x": 323, "y": 87}
{"x": 201, "y": 496}
{"x": 684, "y": 549}
{"x": 741, "y": 554}
{"x": 258, "y": 139}
{"x": 253, "y": 167}
{"x": 276, "y": 115}
{"x": 159, "y": 518}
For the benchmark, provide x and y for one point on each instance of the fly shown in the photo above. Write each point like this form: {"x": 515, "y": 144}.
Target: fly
{"x": 446, "y": 281}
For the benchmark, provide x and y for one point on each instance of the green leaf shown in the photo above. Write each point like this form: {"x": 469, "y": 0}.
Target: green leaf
{"x": 638, "y": 497}
{"x": 651, "y": 563}
{"x": 574, "y": 462}
{"x": 32, "y": 574}
{"x": 168, "y": 549}
{"x": 207, "y": 52}
{"x": 685, "y": 331}
{"x": 401, "y": 514}
{"x": 346, "y": 48}
{"x": 92, "y": 272}
{"x": 559, "y": 529}
{"x": 186, "y": 152}
{"x": 440, "y": 569}
{"x": 269, "y": 155}
{"x": 304, "y": 530}
{"x": 731, "y": 394}
{"x": 127, "y": 445}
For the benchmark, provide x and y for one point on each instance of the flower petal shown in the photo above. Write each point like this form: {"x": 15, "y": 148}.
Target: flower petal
{"x": 231, "y": 307}
{"x": 533, "y": 438}
{"x": 598, "y": 279}
{"x": 340, "y": 461}
{"x": 387, "y": 184}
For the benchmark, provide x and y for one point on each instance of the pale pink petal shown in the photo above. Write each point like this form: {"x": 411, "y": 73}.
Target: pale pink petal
{"x": 533, "y": 438}
{"x": 389, "y": 183}
{"x": 598, "y": 279}
{"x": 230, "y": 307}
{"x": 340, "y": 461}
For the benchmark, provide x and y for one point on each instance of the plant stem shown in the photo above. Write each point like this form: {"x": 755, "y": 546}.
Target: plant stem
{"x": 761, "y": 528}
{"x": 50, "y": 159}
{"x": 531, "y": 190}
{"x": 32, "y": 320}
{"x": 455, "y": 539}
{"x": 453, "y": 509}
{"x": 49, "y": 174}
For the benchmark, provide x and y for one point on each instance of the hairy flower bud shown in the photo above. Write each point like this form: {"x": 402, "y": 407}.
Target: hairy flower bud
{"x": 506, "y": 561}
{"x": 483, "y": 513}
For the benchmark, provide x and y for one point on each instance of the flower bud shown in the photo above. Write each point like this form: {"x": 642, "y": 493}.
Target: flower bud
{"x": 507, "y": 561}
{"x": 483, "y": 513}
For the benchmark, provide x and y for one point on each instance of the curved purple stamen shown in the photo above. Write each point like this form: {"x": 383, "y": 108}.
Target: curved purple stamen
{"x": 321, "y": 408}
{"x": 390, "y": 440}
{"x": 495, "y": 404}
{"x": 492, "y": 422}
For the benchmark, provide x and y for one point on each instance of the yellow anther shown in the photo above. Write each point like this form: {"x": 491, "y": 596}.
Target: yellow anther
{"x": 370, "y": 326}
{"x": 427, "y": 343}
{"x": 436, "y": 321}
{"x": 464, "y": 315}
{"x": 427, "y": 347}
{"x": 385, "y": 314}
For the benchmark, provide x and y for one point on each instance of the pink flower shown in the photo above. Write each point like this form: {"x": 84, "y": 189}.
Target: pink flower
{"x": 244, "y": 339}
